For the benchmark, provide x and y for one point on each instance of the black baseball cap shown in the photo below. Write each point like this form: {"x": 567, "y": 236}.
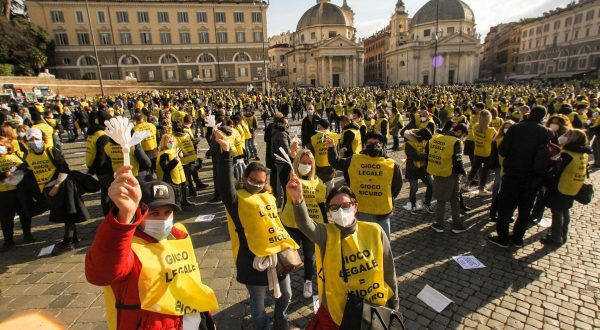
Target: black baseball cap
{"x": 158, "y": 193}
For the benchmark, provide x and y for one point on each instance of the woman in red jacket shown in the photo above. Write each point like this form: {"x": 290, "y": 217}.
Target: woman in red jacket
{"x": 146, "y": 264}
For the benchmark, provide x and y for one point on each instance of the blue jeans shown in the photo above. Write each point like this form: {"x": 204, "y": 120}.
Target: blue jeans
{"x": 257, "y": 305}
{"x": 385, "y": 225}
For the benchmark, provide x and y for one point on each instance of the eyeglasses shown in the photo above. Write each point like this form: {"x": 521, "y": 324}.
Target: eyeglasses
{"x": 345, "y": 206}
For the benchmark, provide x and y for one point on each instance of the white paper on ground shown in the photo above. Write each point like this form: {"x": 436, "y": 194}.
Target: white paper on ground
{"x": 434, "y": 298}
{"x": 316, "y": 303}
{"x": 205, "y": 218}
{"x": 46, "y": 251}
{"x": 468, "y": 262}
{"x": 545, "y": 223}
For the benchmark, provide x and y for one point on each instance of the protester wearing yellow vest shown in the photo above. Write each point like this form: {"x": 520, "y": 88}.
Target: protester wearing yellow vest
{"x": 257, "y": 235}
{"x": 358, "y": 250}
{"x": 149, "y": 144}
{"x": 483, "y": 135}
{"x": 416, "y": 167}
{"x": 382, "y": 126}
{"x": 95, "y": 157}
{"x": 51, "y": 173}
{"x": 497, "y": 163}
{"x": 445, "y": 164}
{"x": 571, "y": 177}
{"x": 350, "y": 140}
{"x": 146, "y": 264}
{"x": 396, "y": 124}
{"x": 470, "y": 141}
{"x": 376, "y": 179}
{"x": 11, "y": 166}
{"x": 169, "y": 168}
{"x": 317, "y": 146}
{"x": 42, "y": 125}
{"x": 189, "y": 155}
{"x": 314, "y": 193}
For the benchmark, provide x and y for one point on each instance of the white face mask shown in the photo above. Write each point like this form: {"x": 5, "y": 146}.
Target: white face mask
{"x": 2, "y": 150}
{"x": 342, "y": 218}
{"x": 310, "y": 112}
{"x": 424, "y": 119}
{"x": 170, "y": 145}
{"x": 505, "y": 130}
{"x": 304, "y": 169}
{"x": 554, "y": 127}
{"x": 22, "y": 135}
{"x": 562, "y": 140}
{"x": 159, "y": 229}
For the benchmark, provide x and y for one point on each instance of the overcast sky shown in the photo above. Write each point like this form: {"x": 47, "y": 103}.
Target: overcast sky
{"x": 373, "y": 15}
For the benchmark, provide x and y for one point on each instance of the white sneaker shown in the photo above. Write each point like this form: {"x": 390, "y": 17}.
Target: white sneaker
{"x": 307, "y": 293}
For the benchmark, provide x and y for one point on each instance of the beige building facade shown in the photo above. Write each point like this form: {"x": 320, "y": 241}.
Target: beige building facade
{"x": 501, "y": 52}
{"x": 562, "y": 44}
{"x": 153, "y": 41}
{"x": 323, "y": 50}
{"x": 438, "y": 45}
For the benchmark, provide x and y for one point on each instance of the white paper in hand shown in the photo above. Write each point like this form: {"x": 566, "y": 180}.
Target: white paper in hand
{"x": 434, "y": 299}
{"x": 210, "y": 121}
{"x": 468, "y": 262}
{"x": 316, "y": 303}
{"x": 46, "y": 251}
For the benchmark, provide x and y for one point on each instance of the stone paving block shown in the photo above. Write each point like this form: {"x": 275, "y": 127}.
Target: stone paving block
{"x": 69, "y": 315}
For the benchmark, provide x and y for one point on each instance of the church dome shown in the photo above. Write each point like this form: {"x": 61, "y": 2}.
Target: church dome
{"x": 449, "y": 10}
{"x": 324, "y": 13}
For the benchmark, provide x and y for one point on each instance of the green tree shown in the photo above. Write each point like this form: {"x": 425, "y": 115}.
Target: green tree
{"x": 24, "y": 45}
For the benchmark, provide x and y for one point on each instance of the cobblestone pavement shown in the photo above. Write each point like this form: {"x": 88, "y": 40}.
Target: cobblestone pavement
{"x": 528, "y": 288}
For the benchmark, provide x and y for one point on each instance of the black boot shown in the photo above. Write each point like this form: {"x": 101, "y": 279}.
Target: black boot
{"x": 192, "y": 190}
{"x": 463, "y": 208}
{"x": 185, "y": 204}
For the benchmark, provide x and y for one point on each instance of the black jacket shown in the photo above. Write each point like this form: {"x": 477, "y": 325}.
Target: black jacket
{"x": 309, "y": 129}
{"x": 520, "y": 146}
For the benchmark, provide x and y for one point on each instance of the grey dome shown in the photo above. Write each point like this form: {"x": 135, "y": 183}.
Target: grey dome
{"x": 448, "y": 10}
{"x": 323, "y": 13}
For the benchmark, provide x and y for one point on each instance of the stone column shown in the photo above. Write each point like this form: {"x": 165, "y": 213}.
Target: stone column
{"x": 330, "y": 76}
{"x": 323, "y": 72}
{"x": 354, "y": 73}
{"x": 347, "y": 82}
{"x": 317, "y": 78}
{"x": 361, "y": 71}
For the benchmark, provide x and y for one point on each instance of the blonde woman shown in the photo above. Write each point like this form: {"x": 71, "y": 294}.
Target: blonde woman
{"x": 483, "y": 136}
{"x": 314, "y": 193}
{"x": 170, "y": 169}
{"x": 497, "y": 162}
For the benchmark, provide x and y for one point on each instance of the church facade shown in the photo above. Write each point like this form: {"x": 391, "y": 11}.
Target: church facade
{"x": 439, "y": 45}
{"x": 323, "y": 51}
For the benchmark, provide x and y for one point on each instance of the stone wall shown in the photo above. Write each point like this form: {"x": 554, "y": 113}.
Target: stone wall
{"x": 89, "y": 88}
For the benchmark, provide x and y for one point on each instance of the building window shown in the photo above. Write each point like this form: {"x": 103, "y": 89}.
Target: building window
{"x": 220, "y": 17}
{"x": 450, "y": 30}
{"x": 557, "y": 25}
{"x": 313, "y": 35}
{"x": 163, "y": 17}
{"x": 189, "y": 74}
{"x": 238, "y": 17}
{"x": 302, "y": 38}
{"x": 589, "y": 15}
{"x": 578, "y": 18}
{"x": 524, "y": 34}
{"x": 182, "y": 17}
{"x": 143, "y": 17}
{"x": 562, "y": 65}
{"x": 332, "y": 34}
{"x": 83, "y": 38}
{"x": 205, "y": 58}
{"x": 165, "y": 38}
{"x": 531, "y": 32}
{"x": 243, "y": 72}
{"x": 576, "y": 36}
{"x": 569, "y": 21}
{"x": 66, "y": 61}
{"x": 546, "y": 28}
{"x": 125, "y": 38}
{"x": 256, "y": 17}
{"x": 545, "y": 40}
{"x": 105, "y": 38}
{"x": 88, "y": 61}
{"x": 150, "y": 75}
{"x": 427, "y": 33}
{"x": 62, "y": 39}
{"x": 222, "y": 37}
{"x": 554, "y": 41}
{"x": 146, "y": 38}
{"x": 57, "y": 16}
{"x": 538, "y": 30}
{"x": 207, "y": 73}
{"x": 240, "y": 37}
{"x": 203, "y": 36}
{"x": 184, "y": 38}
{"x": 201, "y": 17}
{"x": 566, "y": 36}
{"x": 582, "y": 63}
{"x": 258, "y": 36}
{"x": 122, "y": 17}
{"x": 587, "y": 32}
{"x": 101, "y": 17}
{"x": 79, "y": 17}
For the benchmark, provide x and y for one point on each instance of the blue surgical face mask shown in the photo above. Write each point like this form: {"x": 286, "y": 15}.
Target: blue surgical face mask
{"x": 159, "y": 229}
{"x": 36, "y": 146}
{"x": 170, "y": 145}
{"x": 3, "y": 150}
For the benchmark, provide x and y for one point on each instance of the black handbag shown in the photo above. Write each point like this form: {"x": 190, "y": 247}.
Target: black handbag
{"x": 585, "y": 194}
{"x": 363, "y": 315}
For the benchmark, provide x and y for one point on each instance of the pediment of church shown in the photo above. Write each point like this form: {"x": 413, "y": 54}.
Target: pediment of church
{"x": 338, "y": 42}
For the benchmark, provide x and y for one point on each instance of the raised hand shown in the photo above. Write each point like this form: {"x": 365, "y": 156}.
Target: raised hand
{"x": 125, "y": 193}
{"x": 294, "y": 189}
{"x": 221, "y": 139}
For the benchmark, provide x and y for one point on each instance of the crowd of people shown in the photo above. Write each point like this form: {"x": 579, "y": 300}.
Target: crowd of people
{"x": 519, "y": 147}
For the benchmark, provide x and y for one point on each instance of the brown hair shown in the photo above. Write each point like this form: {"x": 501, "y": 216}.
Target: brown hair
{"x": 485, "y": 118}
{"x": 8, "y": 144}
{"x": 8, "y": 132}
{"x": 577, "y": 136}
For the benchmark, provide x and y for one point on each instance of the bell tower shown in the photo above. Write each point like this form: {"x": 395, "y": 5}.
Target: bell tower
{"x": 399, "y": 26}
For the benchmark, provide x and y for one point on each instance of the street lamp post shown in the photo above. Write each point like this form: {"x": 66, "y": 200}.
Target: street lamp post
{"x": 87, "y": 7}
{"x": 435, "y": 52}
{"x": 264, "y": 6}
